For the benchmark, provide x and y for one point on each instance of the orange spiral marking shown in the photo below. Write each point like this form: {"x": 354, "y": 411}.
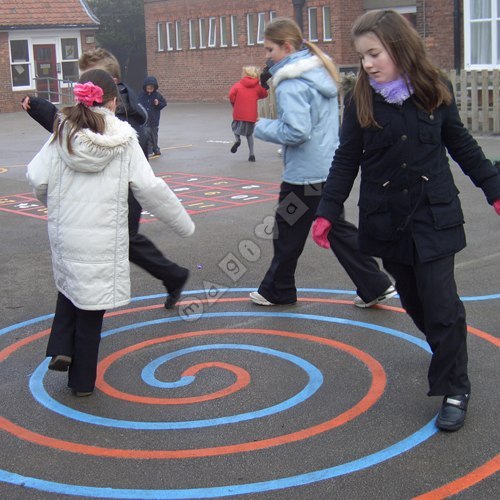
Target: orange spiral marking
{"x": 488, "y": 469}
{"x": 374, "y": 393}
{"x": 242, "y": 380}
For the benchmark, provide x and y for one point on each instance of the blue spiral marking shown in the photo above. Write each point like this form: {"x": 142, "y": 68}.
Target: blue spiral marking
{"x": 40, "y": 394}
{"x": 229, "y": 490}
{"x": 392, "y": 451}
{"x": 314, "y": 383}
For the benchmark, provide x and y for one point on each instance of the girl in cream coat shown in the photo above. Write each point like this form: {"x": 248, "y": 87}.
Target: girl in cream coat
{"x": 82, "y": 174}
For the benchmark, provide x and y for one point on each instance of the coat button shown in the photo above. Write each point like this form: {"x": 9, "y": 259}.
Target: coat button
{"x": 405, "y": 191}
{"x": 404, "y": 137}
{"x": 403, "y": 165}
{"x": 431, "y": 117}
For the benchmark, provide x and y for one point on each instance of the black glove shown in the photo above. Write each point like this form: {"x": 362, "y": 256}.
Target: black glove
{"x": 265, "y": 75}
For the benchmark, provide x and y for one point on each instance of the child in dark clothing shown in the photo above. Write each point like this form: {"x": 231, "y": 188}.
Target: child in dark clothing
{"x": 154, "y": 102}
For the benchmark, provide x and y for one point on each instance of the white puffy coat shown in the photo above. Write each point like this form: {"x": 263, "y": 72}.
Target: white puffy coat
{"x": 86, "y": 193}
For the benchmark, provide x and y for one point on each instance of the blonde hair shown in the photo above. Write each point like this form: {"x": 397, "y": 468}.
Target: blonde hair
{"x": 407, "y": 50}
{"x": 100, "y": 58}
{"x": 282, "y": 30}
{"x": 251, "y": 71}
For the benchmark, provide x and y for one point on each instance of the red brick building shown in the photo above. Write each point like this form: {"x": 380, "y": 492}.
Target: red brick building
{"x": 40, "y": 43}
{"x": 196, "y": 48}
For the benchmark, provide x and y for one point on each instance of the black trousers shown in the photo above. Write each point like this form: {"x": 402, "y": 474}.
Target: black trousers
{"x": 294, "y": 217}
{"x": 144, "y": 253}
{"x": 428, "y": 292}
{"x": 76, "y": 333}
{"x": 151, "y": 134}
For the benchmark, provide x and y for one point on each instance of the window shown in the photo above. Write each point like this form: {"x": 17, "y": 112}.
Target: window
{"x": 20, "y": 67}
{"x": 193, "y": 33}
{"x": 327, "y": 24}
{"x": 223, "y": 31}
{"x": 273, "y": 15}
{"x": 160, "y": 28}
{"x": 481, "y": 33}
{"x": 313, "y": 24}
{"x": 251, "y": 29}
{"x": 203, "y": 33}
{"x": 261, "y": 26}
{"x": 69, "y": 52}
{"x": 234, "y": 31}
{"x": 170, "y": 36}
{"x": 212, "y": 32}
{"x": 178, "y": 35}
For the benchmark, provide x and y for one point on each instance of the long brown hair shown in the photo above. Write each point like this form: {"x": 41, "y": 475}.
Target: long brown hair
{"x": 80, "y": 116}
{"x": 407, "y": 50}
{"x": 281, "y": 30}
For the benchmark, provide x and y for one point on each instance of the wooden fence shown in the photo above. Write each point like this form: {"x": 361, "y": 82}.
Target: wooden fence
{"x": 477, "y": 94}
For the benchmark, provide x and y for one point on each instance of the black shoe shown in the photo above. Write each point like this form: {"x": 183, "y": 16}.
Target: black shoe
{"x": 81, "y": 394}
{"x": 60, "y": 363}
{"x": 235, "y": 146}
{"x": 251, "y": 158}
{"x": 452, "y": 413}
{"x": 175, "y": 294}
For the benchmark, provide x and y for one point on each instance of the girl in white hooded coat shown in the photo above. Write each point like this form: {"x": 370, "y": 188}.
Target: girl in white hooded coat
{"x": 82, "y": 174}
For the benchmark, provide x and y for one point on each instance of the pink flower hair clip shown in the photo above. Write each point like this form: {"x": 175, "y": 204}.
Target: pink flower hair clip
{"x": 88, "y": 93}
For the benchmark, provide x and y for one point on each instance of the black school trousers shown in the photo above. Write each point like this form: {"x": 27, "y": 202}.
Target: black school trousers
{"x": 293, "y": 220}
{"x": 76, "y": 333}
{"x": 428, "y": 292}
{"x": 144, "y": 253}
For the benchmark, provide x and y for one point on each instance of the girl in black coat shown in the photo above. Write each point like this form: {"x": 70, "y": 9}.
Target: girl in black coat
{"x": 399, "y": 123}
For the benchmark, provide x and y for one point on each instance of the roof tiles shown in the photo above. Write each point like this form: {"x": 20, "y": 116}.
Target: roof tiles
{"x": 30, "y": 13}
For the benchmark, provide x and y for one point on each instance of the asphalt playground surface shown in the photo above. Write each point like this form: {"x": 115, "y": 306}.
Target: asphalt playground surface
{"x": 223, "y": 398}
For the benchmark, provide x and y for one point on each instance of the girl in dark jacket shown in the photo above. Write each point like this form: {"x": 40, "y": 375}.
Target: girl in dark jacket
{"x": 243, "y": 96}
{"x": 399, "y": 123}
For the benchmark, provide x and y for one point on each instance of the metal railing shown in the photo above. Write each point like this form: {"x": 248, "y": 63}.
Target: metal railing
{"x": 51, "y": 89}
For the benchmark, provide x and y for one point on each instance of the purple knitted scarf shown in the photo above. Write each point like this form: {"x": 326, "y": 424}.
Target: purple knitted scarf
{"x": 395, "y": 92}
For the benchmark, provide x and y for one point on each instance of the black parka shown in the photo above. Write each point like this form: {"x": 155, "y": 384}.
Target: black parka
{"x": 408, "y": 199}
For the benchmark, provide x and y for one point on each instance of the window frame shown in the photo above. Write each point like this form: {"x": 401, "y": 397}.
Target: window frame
{"x": 202, "y": 29}
{"x": 170, "y": 35}
{"x": 28, "y": 63}
{"x": 309, "y": 24}
{"x": 193, "y": 34}
{"x": 161, "y": 37}
{"x": 212, "y": 32}
{"x": 327, "y": 23}
{"x": 494, "y": 21}
{"x": 261, "y": 27}
{"x": 234, "y": 31}
{"x": 223, "y": 31}
{"x": 251, "y": 36}
{"x": 178, "y": 35}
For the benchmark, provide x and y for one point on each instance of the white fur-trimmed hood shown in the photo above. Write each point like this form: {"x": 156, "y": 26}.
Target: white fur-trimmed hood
{"x": 308, "y": 68}
{"x": 92, "y": 152}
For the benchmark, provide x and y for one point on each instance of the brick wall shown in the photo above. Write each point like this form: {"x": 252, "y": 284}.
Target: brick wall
{"x": 207, "y": 74}
{"x": 435, "y": 23}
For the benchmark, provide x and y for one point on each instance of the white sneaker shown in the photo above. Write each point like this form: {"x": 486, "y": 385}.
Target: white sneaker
{"x": 258, "y": 299}
{"x": 388, "y": 294}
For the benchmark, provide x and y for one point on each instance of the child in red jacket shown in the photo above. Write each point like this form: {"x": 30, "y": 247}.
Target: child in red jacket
{"x": 243, "y": 97}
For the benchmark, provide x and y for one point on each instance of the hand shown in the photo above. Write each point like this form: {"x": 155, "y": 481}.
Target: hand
{"x": 156, "y": 102}
{"x": 321, "y": 228}
{"x": 25, "y": 103}
{"x": 496, "y": 206}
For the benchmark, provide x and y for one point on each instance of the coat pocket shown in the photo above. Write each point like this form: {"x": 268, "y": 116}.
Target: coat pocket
{"x": 445, "y": 205}
{"x": 429, "y": 127}
{"x": 375, "y": 220}
{"x": 377, "y": 138}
